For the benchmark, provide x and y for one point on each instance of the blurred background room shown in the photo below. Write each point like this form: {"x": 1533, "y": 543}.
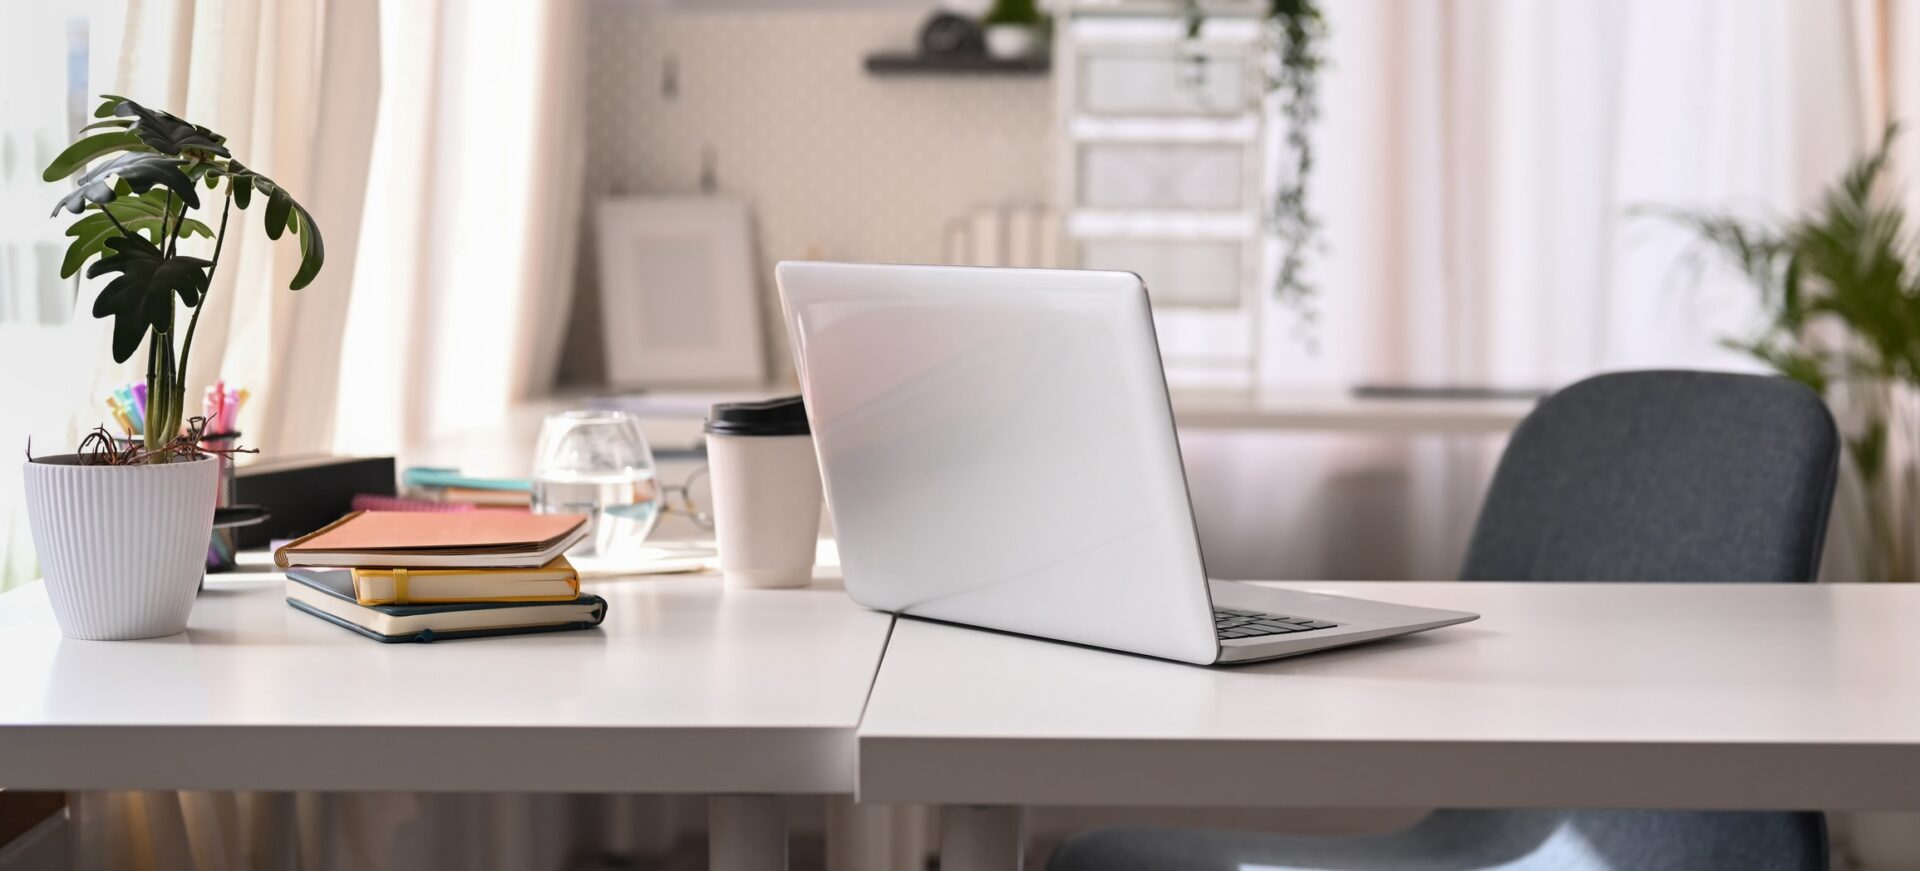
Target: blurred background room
{"x": 1374, "y": 232}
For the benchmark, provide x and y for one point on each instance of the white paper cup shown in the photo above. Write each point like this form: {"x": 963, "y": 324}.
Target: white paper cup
{"x": 766, "y": 508}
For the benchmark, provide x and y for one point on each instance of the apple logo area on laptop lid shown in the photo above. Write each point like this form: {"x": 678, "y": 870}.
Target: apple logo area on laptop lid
{"x": 997, "y": 450}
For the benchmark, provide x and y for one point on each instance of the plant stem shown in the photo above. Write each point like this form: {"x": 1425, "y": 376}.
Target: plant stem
{"x": 173, "y": 243}
{"x": 164, "y": 215}
{"x": 219, "y": 241}
{"x": 116, "y": 222}
{"x": 154, "y": 400}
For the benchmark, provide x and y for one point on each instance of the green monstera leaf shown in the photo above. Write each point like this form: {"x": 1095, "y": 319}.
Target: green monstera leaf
{"x": 89, "y": 149}
{"x": 166, "y": 133}
{"x": 140, "y": 298}
{"x": 108, "y": 103}
{"x": 141, "y": 213}
{"x": 139, "y": 171}
{"x": 283, "y": 214}
{"x": 313, "y": 252}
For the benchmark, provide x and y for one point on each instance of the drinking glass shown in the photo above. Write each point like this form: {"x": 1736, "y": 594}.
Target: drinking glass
{"x": 597, "y": 463}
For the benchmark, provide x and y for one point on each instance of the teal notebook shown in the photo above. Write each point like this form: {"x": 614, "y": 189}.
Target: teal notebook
{"x": 434, "y": 477}
{"x": 328, "y": 595}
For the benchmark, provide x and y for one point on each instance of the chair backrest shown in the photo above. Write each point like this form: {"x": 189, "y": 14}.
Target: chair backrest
{"x": 1662, "y": 476}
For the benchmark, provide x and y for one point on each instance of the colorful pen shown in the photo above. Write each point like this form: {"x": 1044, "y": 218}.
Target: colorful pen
{"x": 120, "y": 416}
{"x": 124, "y": 396}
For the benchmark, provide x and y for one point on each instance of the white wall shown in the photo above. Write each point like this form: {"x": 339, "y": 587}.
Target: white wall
{"x": 836, "y": 163}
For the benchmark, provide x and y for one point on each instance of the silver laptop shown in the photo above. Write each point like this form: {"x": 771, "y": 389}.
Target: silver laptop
{"x": 998, "y": 451}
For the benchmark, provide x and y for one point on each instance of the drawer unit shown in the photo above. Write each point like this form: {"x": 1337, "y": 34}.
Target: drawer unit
{"x": 1124, "y": 175}
{"x": 1179, "y": 272}
{"x": 1162, "y": 170}
{"x": 1135, "y": 80}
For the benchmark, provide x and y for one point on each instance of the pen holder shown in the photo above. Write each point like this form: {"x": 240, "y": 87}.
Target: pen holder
{"x": 225, "y": 545}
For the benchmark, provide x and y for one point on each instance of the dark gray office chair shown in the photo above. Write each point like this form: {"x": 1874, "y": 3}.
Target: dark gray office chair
{"x": 1634, "y": 476}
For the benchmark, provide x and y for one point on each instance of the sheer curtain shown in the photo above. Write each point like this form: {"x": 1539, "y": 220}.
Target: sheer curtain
{"x": 462, "y": 300}
{"x": 436, "y": 144}
{"x": 54, "y": 57}
{"x": 1481, "y": 164}
{"x": 293, "y": 85}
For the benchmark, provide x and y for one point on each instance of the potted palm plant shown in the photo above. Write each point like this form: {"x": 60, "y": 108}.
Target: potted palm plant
{"x": 121, "y": 529}
{"x": 1840, "y": 288}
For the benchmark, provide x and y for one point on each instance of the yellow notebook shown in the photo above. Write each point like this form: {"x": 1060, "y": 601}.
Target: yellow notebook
{"x": 554, "y": 582}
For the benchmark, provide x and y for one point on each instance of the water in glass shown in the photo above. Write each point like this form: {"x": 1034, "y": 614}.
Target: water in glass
{"x": 597, "y": 463}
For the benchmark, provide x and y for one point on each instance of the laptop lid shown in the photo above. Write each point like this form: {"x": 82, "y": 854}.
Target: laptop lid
{"x": 998, "y": 450}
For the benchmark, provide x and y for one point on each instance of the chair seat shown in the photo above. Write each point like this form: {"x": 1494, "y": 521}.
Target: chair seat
{"x": 1464, "y": 840}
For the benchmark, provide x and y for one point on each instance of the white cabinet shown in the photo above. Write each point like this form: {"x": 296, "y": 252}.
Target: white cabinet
{"x": 1167, "y": 79}
{"x": 1161, "y": 160}
{"x": 1179, "y": 272}
{"x": 1148, "y": 175}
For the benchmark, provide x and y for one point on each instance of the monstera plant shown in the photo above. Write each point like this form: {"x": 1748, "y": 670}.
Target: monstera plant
{"x": 140, "y": 175}
{"x": 122, "y": 529}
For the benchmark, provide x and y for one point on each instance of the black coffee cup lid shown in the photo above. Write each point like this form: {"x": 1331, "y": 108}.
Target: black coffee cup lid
{"x": 773, "y": 417}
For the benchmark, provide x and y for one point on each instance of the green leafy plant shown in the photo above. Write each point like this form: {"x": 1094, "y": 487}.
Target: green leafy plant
{"x": 1840, "y": 286}
{"x": 1299, "y": 36}
{"x": 136, "y": 178}
{"x": 1014, "y": 12}
{"x": 1297, "y": 32}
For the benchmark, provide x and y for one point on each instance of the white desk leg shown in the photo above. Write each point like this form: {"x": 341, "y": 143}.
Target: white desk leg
{"x": 915, "y": 826}
{"x": 982, "y": 838}
{"x": 746, "y": 833}
{"x": 511, "y": 831}
{"x": 860, "y": 836}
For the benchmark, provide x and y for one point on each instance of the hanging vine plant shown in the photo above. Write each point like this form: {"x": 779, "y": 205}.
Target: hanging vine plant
{"x": 1298, "y": 34}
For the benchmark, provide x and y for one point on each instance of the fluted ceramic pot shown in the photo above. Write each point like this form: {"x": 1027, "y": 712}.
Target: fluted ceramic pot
{"x": 123, "y": 548}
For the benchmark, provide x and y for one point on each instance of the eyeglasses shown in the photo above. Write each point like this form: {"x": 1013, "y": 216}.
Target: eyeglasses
{"x": 680, "y": 499}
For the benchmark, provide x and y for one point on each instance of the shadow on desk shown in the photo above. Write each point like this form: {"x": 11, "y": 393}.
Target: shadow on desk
{"x": 1416, "y": 645}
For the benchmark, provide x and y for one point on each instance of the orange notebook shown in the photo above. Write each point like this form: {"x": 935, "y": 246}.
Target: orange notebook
{"x": 405, "y": 539}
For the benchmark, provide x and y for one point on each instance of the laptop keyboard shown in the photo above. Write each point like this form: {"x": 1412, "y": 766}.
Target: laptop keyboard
{"x": 1230, "y": 623}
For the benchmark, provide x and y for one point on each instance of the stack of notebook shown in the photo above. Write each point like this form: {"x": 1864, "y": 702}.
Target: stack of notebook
{"x": 403, "y": 576}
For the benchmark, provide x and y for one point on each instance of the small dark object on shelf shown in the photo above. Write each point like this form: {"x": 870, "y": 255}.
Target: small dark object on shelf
{"x": 953, "y": 44}
{"x": 948, "y": 34}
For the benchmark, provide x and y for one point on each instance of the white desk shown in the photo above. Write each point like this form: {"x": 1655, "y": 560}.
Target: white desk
{"x": 686, "y": 688}
{"x": 1701, "y": 696}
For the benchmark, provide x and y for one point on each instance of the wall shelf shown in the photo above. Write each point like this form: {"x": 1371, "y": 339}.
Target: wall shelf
{"x": 905, "y": 64}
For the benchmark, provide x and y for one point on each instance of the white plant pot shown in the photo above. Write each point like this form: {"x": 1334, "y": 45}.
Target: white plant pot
{"x": 123, "y": 548}
{"x": 1012, "y": 41}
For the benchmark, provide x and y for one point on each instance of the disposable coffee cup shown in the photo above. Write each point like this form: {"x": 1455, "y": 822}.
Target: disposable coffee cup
{"x": 766, "y": 492}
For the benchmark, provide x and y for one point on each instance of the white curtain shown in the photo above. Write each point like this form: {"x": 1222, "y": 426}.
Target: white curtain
{"x": 293, "y": 84}
{"x": 437, "y": 146}
{"x": 462, "y": 297}
{"x": 53, "y": 57}
{"x": 1481, "y": 163}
